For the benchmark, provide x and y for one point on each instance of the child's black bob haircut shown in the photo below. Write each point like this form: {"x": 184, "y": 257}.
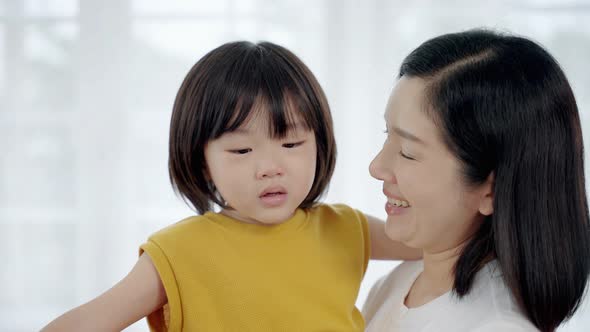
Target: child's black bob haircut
{"x": 218, "y": 95}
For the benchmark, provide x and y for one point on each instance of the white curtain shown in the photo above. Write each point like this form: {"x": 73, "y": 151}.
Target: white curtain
{"x": 86, "y": 91}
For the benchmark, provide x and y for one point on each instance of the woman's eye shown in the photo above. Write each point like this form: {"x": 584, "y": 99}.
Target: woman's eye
{"x": 292, "y": 145}
{"x": 401, "y": 153}
{"x": 241, "y": 151}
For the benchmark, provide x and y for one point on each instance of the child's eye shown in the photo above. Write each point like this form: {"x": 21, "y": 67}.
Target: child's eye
{"x": 401, "y": 153}
{"x": 292, "y": 145}
{"x": 240, "y": 151}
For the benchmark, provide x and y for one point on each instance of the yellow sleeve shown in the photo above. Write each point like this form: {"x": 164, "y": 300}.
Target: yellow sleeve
{"x": 361, "y": 221}
{"x": 366, "y": 238}
{"x": 169, "y": 317}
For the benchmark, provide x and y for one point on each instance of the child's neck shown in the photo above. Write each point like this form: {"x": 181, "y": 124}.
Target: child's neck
{"x": 241, "y": 218}
{"x": 236, "y": 216}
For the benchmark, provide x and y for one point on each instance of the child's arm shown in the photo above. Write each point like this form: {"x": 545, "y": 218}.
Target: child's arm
{"x": 140, "y": 293}
{"x": 382, "y": 247}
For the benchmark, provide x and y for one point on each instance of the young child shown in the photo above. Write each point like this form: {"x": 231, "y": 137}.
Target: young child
{"x": 251, "y": 133}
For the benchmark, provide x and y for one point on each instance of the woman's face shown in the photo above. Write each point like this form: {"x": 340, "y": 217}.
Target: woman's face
{"x": 429, "y": 206}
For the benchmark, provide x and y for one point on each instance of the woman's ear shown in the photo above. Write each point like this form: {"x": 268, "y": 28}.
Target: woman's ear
{"x": 486, "y": 202}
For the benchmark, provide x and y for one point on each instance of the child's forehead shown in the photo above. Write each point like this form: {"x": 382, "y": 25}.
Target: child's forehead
{"x": 262, "y": 126}
{"x": 263, "y": 118}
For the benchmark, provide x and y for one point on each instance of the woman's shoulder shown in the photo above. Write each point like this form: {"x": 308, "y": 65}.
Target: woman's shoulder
{"x": 402, "y": 273}
{"x": 491, "y": 305}
{"x": 393, "y": 284}
{"x": 506, "y": 324}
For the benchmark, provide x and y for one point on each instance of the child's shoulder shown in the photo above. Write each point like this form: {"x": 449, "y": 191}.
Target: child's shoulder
{"x": 328, "y": 208}
{"x": 191, "y": 234}
{"x": 336, "y": 209}
{"x": 340, "y": 212}
{"x": 184, "y": 227}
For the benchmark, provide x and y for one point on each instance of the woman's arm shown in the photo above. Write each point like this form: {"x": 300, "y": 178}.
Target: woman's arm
{"x": 140, "y": 293}
{"x": 382, "y": 247}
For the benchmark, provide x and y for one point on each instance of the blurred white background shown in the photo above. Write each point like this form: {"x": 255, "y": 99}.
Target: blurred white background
{"x": 86, "y": 91}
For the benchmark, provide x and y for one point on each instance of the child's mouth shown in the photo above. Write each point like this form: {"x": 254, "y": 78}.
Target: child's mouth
{"x": 273, "y": 197}
{"x": 272, "y": 194}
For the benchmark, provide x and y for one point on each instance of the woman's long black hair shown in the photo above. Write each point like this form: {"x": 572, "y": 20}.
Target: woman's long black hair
{"x": 505, "y": 108}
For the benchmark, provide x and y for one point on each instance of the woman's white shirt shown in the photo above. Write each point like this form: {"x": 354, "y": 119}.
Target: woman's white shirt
{"x": 488, "y": 307}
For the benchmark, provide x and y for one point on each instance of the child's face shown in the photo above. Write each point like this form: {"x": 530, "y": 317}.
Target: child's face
{"x": 263, "y": 179}
{"x": 441, "y": 210}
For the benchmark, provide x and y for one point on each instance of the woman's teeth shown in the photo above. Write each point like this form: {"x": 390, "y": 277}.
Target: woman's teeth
{"x": 399, "y": 203}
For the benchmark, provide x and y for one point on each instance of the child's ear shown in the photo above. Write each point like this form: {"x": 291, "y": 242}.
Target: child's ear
{"x": 486, "y": 202}
{"x": 209, "y": 180}
{"x": 206, "y": 172}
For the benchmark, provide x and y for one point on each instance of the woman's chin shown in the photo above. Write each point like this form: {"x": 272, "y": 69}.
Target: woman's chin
{"x": 398, "y": 232}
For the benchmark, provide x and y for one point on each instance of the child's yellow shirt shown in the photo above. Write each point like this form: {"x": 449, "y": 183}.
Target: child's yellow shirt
{"x": 225, "y": 275}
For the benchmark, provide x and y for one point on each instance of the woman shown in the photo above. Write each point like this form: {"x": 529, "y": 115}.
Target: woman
{"x": 483, "y": 170}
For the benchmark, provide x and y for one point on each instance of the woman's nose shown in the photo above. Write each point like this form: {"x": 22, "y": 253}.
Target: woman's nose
{"x": 374, "y": 168}
{"x": 379, "y": 169}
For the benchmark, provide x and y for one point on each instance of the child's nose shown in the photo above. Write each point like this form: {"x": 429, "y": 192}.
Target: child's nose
{"x": 268, "y": 169}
